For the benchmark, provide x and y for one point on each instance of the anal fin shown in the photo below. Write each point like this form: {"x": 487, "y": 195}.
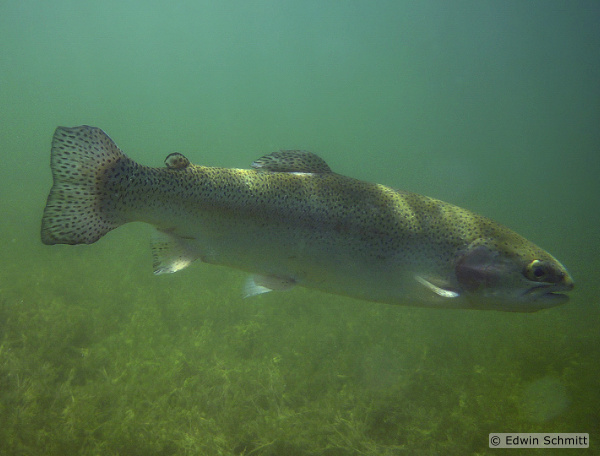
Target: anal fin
{"x": 171, "y": 253}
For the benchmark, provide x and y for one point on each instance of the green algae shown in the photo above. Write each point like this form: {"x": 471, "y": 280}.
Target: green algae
{"x": 128, "y": 363}
{"x": 491, "y": 107}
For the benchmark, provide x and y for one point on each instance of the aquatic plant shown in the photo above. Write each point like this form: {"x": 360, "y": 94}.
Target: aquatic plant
{"x": 121, "y": 363}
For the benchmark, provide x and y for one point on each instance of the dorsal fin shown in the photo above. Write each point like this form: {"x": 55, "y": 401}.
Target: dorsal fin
{"x": 292, "y": 161}
{"x": 176, "y": 161}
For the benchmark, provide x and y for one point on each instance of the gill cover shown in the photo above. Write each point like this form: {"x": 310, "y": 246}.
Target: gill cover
{"x": 481, "y": 267}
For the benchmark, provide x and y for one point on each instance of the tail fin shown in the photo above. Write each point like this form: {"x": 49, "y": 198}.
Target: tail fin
{"x": 74, "y": 213}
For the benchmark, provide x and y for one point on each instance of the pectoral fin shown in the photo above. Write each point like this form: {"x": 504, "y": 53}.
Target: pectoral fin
{"x": 258, "y": 284}
{"x": 440, "y": 291}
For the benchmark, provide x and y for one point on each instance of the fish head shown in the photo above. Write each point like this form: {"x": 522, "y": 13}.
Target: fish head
{"x": 511, "y": 275}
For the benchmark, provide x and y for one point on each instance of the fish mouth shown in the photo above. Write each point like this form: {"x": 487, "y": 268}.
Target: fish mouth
{"x": 548, "y": 292}
{"x": 555, "y": 298}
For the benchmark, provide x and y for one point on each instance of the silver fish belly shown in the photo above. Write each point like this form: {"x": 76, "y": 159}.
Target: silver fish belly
{"x": 291, "y": 221}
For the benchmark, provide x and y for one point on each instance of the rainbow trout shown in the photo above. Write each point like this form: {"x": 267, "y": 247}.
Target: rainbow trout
{"x": 291, "y": 221}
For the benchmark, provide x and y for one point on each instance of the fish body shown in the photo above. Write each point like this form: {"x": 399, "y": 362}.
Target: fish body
{"x": 291, "y": 221}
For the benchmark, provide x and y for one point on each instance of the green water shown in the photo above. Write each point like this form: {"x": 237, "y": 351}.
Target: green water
{"x": 493, "y": 106}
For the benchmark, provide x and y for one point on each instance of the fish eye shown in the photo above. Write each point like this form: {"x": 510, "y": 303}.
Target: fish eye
{"x": 536, "y": 271}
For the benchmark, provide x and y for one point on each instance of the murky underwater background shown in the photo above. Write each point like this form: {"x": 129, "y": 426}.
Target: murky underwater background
{"x": 493, "y": 106}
